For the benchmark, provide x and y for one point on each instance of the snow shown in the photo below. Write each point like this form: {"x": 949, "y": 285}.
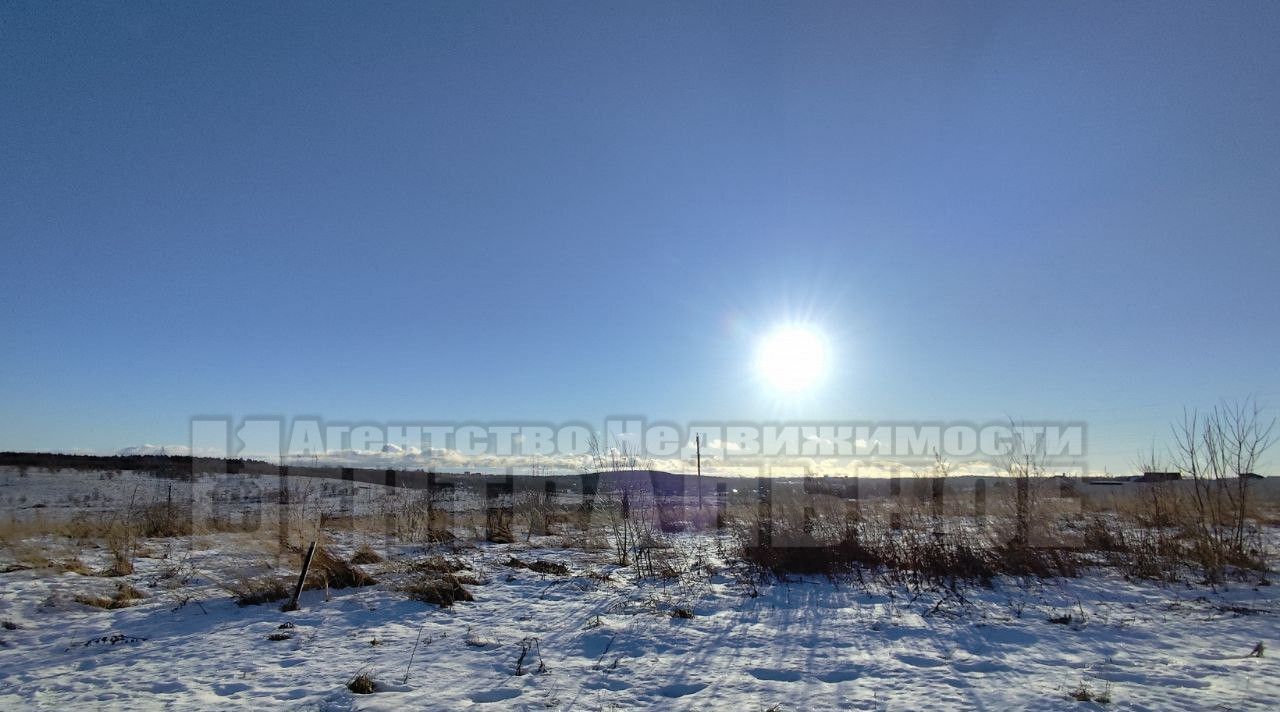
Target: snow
{"x": 610, "y": 642}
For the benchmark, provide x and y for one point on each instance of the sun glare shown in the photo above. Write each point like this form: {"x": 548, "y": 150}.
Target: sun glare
{"x": 792, "y": 359}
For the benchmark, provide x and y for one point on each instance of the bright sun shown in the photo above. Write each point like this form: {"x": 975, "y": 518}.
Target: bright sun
{"x": 792, "y": 358}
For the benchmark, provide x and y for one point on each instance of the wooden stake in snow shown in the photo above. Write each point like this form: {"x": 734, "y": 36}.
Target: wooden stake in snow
{"x": 292, "y": 605}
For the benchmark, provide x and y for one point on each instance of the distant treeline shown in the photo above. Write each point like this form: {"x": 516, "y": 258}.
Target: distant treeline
{"x": 182, "y": 466}
{"x": 179, "y": 466}
{"x": 160, "y": 464}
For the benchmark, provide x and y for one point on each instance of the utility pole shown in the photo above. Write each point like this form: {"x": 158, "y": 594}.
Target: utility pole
{"x": 698, "y": 444}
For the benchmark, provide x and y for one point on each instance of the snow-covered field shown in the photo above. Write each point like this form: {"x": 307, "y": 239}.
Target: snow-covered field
{"x": 598, "y": 639}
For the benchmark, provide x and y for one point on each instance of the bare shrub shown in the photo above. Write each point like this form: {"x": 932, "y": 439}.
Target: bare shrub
{"x": 1016, "y": 559}
{"x": 908, "y": 555}
{"x": 1149, "y": 557}
{"x": 1102, "y": 534}
{"x": 1082, "y": 693}
{"x": 621, "y": 521}
{"x": 536, "y": 509}
{"x": 163, "y": 519}
{"x": 530, "y": 645}
{"x": 908, "y": 541}
{"x": 122, "y": 553}
{"x": 1219, "y": 450}
{"x": 1024, "y": 463}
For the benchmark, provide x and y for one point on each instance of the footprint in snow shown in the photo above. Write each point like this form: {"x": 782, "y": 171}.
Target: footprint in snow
{"x": 680, "y": 689}
{"x": 498, "y": 695}
{"x": 609, "y": 683}
{"x": 775, "y": 675}
{"x": 980, "y": 666}
{"x": 919, "y": 660}
{"x": 836, "y": 676}
{"x": 226, "y": 689}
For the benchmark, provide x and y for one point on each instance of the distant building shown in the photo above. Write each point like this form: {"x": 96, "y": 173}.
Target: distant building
{"x": 1250, "y": 476}
{"x": 1159, "y": 477}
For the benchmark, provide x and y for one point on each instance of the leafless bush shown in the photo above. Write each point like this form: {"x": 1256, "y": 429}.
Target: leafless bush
{"x": 164, "y": 519}
{"x": 1220, "y": 450}
{"x": 1024, "y": 463}
{"x": 121, "y": 564}
{"x": 621, "y": 455}
{"x": 621, "y": 521}
{"x": 1082, "y": 693}
{"x": 912, "y": 541}
{"x": 530, "y": 647}
{"x": 908, "y": 555}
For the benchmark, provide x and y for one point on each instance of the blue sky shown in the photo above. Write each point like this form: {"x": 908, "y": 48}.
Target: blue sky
{"x": 557, "y": 211}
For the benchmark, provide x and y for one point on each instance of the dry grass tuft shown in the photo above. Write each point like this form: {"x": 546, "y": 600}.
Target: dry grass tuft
{"x": 1082, "y": 693}
{"x": 330, "y": 571}
{"x": 124, "y": 597}
{"x": 253, "y": 591}
{"x": 366, "y": 555}
{"x": 442, "y": 591}
{"x": 362, "y": 684}
{"x": 121, "y": 565}
{"x": 164, "y": 519}
{"x": 438, "y": 564}
{"x": 539, "y": 566}
{"x": 440, "y": 536}
{"x": 72, "y": 565}
{"x": 32, "y": 555}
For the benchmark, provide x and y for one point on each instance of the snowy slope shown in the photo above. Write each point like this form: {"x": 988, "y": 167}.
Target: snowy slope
{"x": 605, "y": 641}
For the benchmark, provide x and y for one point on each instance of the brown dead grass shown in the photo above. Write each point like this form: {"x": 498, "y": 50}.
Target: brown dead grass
{"x": 439, "y": 564}
{"x": 254, "y": 591}
{"x": 366, "y": 555}
{"x": 331, "y": 571}
{"x": 539, "y": 566}
{"x": 441, "y": 590}
{"x": 124, "y": 597}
